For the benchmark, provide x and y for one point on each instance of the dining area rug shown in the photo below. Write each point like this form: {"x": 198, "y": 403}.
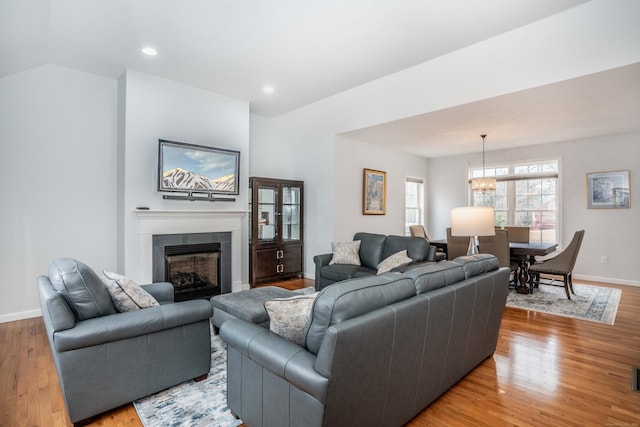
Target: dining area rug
{"x": 192, "y": 404}
{"x": 593, "y": 303}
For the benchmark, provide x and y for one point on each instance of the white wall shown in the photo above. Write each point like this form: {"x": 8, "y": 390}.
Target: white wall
{"x": 350, "y": 158}
{"x": 58, "y": 169}
{"x": 156, "y": 108}
{"x": 609, "y": 232}
{"x": 278, "y": 152}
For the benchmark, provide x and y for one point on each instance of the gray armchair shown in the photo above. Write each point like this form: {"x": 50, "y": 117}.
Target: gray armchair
{"x": 105, "y": 359}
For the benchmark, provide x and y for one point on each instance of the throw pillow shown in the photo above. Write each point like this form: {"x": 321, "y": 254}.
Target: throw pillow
{"x": 126, "y": 294}
{"x": 289, "y": 316}
{"x": 393, "y": 261}
{"x": 345, "y": 252}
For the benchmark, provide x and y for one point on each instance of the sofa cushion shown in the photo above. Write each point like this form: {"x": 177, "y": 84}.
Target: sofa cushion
{"x": 345, "y": 253}
{"x": 475, "y": 265}
{"x": 417, "y": 247}
{"x": 289, "y": 317}
{"x": 436, "y": 275}
{"x": 126, "y": 294}
{"x": 396, "y": 260}
{"x": 340, "y": 272}
{"x": 371, "y": 249}
{"x": 81, "y": 288}
{"x": 345, "y": 300}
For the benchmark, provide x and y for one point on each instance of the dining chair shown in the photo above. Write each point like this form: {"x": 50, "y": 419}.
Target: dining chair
{"x": 419, "y": 231}
{"x": 456, "y": 245}
{"x": 517, "y": 234}
{"x": 560, "y": 265}
{"x": 497, "y": 245}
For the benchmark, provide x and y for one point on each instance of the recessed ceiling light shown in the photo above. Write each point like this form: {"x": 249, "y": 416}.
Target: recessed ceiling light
{"x": 268, "y": 89}
{"x": 148, "y": 50}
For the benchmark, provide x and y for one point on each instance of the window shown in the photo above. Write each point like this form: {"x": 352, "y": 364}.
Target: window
{"x": 413, "y": 203}
{"x": 526, "y": 195}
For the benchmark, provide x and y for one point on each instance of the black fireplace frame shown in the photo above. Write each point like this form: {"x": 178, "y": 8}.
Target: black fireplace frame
{"x": 160, "y": 241}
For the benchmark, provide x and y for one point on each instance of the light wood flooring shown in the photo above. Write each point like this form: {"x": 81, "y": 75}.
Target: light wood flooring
{"x": 547, "y": 371}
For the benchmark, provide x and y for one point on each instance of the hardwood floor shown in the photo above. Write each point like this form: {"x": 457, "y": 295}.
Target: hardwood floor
{"x": 547, "y": 371}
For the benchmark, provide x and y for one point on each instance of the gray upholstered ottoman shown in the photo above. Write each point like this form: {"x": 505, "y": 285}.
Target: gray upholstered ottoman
{"x": 248, "y": 305}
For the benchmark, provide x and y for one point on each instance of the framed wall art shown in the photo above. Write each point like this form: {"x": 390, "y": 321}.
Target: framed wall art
{"x": 374, "y": 192}
{"x": 608, "y": 190}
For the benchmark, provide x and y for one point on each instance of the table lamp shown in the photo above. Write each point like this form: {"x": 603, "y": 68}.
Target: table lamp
{"x": 472, "y": 221}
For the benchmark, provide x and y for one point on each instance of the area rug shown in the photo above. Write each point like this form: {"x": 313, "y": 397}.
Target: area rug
{"x": 192, "y": 404}
{"x": 592, "y": 303}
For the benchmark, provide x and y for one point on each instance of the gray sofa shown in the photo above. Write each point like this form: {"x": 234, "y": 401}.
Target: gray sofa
{"x": 378, "y": 349}
{"x": 373, "y": 249}
{"x": 105, "y": 359}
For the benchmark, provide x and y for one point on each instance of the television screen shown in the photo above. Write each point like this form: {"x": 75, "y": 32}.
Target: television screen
{"x": 194, "y": 168}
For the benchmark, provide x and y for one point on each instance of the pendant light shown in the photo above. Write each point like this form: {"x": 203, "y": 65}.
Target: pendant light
{"x": 483, "y": 185}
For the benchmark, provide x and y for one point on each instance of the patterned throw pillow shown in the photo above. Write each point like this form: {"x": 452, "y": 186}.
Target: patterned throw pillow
{"x": 345, "y": 252}
{"x": 289, "y": 317}
{"x": 393, "y": 261}
{"x": 126, "y": 294}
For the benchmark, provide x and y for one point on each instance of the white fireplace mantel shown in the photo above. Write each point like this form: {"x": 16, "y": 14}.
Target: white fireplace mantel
{"x": 152, "y": 222}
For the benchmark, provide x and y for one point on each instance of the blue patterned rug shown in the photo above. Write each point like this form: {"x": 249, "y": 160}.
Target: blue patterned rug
{"x": 592, "y": 303}
{"x": 192, "y": 403}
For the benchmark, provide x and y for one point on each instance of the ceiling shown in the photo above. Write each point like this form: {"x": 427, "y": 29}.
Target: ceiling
{"x": 314, "y": 49}
{"x": 600, "y": 104}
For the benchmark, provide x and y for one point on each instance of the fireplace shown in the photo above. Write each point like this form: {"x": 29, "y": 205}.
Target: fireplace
{"x": 198, "y": 265}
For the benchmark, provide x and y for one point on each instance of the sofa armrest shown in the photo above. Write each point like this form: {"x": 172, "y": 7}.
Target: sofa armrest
{"x": 321, "y": 261}
{"x": 279, "y": 356}
{"x": 161, "y": 291}
{"x": 101, "y": 330}
{"x": 432, "y": 254}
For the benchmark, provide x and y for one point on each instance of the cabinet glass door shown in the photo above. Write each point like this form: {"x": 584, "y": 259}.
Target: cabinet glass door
{"x": 267, "y": 210}
{"x": 290, "y": 213}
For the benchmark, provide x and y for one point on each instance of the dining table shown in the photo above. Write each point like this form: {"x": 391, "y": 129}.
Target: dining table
{"x": 525, "y": 253}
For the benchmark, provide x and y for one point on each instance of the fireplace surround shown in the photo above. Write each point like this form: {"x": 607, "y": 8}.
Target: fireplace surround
{"x": 138, "y": 255}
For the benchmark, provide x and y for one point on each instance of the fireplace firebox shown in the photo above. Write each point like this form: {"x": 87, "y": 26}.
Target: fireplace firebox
{"x": 193, "y": 270}
{"x": 198, "y": 265}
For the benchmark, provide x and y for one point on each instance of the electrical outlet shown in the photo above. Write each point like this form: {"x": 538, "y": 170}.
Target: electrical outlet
{"x": 604, "y": 260}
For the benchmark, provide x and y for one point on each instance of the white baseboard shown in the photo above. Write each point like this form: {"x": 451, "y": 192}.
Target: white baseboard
{"x": 11, "y": 317}
{"x": 607, "y": 280}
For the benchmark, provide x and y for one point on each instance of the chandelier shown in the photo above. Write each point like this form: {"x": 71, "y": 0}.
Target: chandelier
{"x": 483, "y": 185}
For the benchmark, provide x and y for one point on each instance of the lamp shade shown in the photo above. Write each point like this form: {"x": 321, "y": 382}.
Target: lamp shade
{"x": 472, "y": 221}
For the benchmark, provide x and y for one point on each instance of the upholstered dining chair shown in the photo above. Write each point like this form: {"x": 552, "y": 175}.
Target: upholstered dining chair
{"x": 497, "y": 245}
{"x": 517, "y": 234}
{"x": 560, "y": 265}
{"x": 456, "y": 245}
{"x": 419, "y": 231}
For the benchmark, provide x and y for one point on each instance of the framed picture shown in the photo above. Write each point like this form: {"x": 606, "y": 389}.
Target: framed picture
{"x": 608, "y": 190}
{"x": 374, "y": 192}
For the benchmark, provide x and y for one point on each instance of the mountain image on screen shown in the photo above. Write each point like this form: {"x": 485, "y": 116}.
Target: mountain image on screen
{"x": 180, "y": 179}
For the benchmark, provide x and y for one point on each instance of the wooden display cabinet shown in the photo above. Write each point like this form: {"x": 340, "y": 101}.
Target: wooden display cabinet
{"x": 276, "y": 239}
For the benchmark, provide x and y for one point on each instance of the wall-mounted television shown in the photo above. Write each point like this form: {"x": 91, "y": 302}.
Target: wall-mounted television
{"x": 197, "y": 169}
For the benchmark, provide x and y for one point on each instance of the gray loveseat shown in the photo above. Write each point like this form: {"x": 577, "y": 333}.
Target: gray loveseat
{"x": 378, "y": 349}
{"x": 105, "y": 359}
{"x": 373, "y": 249}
